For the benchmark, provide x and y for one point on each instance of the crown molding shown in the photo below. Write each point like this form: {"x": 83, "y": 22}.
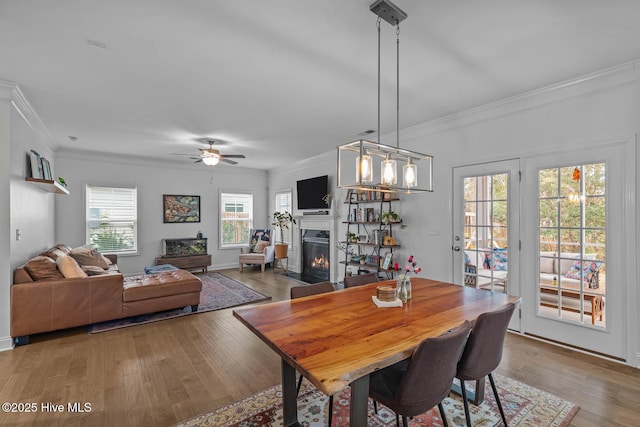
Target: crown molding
{"x": 11, "y": 91}
{"x": 621, "y": 74}
{"x": 86, "y": 155}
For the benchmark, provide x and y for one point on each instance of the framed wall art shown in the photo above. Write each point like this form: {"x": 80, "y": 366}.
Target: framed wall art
{"x": 180, "y": 209}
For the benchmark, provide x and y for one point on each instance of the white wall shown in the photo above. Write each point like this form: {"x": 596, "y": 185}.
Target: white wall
{"x": 153, "y": 179}
{"x": 592, "y": 110}
{"x": 25, "y": 207}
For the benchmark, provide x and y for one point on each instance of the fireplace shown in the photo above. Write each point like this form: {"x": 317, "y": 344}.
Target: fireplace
{"x": 315, "y": 256}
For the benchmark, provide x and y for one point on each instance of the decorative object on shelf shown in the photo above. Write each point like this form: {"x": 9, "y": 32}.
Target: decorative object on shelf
{"x": 328, "y": 198}
{"x": 199, "y": 235}
{"x": 180, "y": 209}
{"x": 404, "y": 281}
{"x": 46, "y": 169}
{"x": 352, "y": 237}
{"x": 36, "y": 165}
{"x": 365, "y": 153}
{"x": 390, "y": 217}
{"x": 62, "y": 181}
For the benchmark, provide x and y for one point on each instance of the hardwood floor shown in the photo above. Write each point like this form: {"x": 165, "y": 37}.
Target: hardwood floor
{"x": 161, "y": 373}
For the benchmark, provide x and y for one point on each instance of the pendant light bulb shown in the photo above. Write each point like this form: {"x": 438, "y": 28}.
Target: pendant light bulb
{"x": 389, "y": 172}
{"x": 364, "y": 169}
{"x": 409, "y": 174}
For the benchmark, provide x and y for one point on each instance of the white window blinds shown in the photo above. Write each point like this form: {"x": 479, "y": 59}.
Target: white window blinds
{"x": 112, "y": 217}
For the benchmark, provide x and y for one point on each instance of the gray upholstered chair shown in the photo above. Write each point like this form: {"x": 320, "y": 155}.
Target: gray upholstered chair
{"x": 304, "y": 291}
{"x": 360, "y": 279}
{"x": 415, "y": 385}
{"x": 260, "y": 250}
{"x": 483, "y": 352}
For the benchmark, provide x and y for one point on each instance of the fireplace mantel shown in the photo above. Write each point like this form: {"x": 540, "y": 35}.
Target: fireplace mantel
{"x": 321, "y": 222}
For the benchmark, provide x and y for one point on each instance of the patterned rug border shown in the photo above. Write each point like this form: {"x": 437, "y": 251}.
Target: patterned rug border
{"x": 142, "y": 319}
{"x": 239, "y": 413}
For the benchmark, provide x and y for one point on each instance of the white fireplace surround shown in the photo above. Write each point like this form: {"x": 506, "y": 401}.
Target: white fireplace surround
{"x": 325, "y": 223}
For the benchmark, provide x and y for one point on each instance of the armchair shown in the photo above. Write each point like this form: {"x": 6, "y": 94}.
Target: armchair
{"x": 260, "y": 250}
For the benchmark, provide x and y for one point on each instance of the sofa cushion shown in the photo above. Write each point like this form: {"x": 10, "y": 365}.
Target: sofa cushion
{"x": 54, "y": 253}
{"x": 92, "y": 270}
{"x": 42, "y": 267}
{"x": 64, "y": 248}
{"x": 547, "y": 262}
{"x": 69, "y": 267}
{"x": 86, "y": 255}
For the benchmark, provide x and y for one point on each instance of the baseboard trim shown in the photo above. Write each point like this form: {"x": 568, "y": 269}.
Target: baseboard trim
{"x": 6, "y": 343}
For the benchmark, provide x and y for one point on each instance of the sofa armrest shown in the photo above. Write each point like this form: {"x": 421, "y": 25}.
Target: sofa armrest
{"x": 269, "y": 254}
{"x": 112, "y": 257}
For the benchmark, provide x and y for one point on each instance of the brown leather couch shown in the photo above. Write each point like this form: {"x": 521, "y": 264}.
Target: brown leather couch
{"x": 44, "y": 304}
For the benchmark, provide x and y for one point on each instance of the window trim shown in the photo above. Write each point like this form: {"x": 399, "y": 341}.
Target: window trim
{"x": 289, "y": 231}
{"x": 136, "y": 248}
{"x": 221, "y": 245}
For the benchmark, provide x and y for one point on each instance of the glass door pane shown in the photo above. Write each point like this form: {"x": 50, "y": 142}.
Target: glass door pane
{"x": 572, "y": 241}
{"x": 486, "y": 231}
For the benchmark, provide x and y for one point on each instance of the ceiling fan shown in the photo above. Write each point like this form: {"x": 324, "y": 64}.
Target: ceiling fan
{"x": 210, "y": 156}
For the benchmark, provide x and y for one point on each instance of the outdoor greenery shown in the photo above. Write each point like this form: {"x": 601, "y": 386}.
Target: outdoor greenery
{"x": 236, "y": 231}
{"x": 106, "y": 237}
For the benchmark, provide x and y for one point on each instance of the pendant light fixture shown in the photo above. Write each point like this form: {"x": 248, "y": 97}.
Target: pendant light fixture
{"x": 367, "y": 153}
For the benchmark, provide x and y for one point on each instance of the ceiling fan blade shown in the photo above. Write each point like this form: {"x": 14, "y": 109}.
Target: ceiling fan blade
{"x": 198, "y": 161}
{"x": 233, "y": 156}
{"x": 180, "y": 154}
{"x": 231, "y": 162}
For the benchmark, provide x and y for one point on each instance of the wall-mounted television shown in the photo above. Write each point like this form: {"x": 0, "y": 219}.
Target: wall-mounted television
{"x": 311, "y": 191}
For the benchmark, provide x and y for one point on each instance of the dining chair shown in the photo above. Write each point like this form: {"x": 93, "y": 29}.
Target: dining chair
{"x": 360, "y": 279}
{"x": 304, "y": 291}
{"x": 314, "y": 289}
{"x": 483, "y": 352}
{"x": 417, "y": 384}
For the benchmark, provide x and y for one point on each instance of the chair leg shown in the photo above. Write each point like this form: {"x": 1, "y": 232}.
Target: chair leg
{"x": 375, "y": 407}
{"x": 299, "y": 384}
{"x": 397, "y": 420}
{"x": 330, "y": 409}
{"x": 495, "y": 393}
{"x": 443, "y": 415}
{"x": 405, "y": 422}
{"x": 466, "y": 404}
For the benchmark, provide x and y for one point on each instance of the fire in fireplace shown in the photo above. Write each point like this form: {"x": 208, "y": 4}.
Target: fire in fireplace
{"x": 315, "y": 255}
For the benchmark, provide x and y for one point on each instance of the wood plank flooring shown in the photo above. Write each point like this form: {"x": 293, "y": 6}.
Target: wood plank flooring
{"x": 164, "y": 372}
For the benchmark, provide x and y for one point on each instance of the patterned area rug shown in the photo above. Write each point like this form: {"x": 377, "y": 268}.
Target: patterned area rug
{"x": 524, "y": 406}
{"x": 218, "y": 292}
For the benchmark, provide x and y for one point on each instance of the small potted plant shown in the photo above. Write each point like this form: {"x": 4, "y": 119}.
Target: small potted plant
{"x": 352, "y": 237}
{"x": 390, "y": 217}
{"x": 282, "y": 221}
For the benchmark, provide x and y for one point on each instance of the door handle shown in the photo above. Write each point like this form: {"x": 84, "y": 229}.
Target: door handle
{"x": 456, "y": 248}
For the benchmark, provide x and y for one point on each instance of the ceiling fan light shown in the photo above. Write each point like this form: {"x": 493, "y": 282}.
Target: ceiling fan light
{"x": 210, "y": 161}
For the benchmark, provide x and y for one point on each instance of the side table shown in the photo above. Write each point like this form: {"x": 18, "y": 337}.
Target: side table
{"x": 278, "y": 265}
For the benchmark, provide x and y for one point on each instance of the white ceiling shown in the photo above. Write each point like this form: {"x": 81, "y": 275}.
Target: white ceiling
{"x": 283, "y": 80}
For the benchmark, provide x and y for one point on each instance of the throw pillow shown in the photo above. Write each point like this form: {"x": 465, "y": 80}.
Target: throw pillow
{"x": 259, "y": 235}
{"x": 54, "y": 253}
{"x": 259, "y": 247}
{"x": 70, "y": 268}
{"x": 588, "y": 267}
{"x": 43, "y": 267}
{"x": 92, "y": 270}
{"x": 89, "y": 256}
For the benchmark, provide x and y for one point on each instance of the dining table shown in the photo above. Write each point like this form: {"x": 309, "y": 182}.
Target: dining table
{"x": 336, "y": 339}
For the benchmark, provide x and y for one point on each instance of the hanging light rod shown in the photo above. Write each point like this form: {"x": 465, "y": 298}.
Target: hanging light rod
{"x": 388, "y": 11}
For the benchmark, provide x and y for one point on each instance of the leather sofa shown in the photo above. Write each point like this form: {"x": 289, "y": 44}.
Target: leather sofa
{"x": 44, "y": 304}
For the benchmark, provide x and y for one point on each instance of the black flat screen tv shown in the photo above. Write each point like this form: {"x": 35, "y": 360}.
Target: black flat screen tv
{"x": 311, "y": 191}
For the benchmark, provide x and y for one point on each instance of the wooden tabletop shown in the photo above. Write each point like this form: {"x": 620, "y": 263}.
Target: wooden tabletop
{"x": 338, "y": 337}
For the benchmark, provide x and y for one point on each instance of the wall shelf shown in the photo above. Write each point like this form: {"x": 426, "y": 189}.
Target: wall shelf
{"x": 48, "y": 185}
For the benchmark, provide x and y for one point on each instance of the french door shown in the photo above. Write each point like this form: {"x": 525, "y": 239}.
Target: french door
{"x": 486, "y": 242}
{"x": 573, "y": 281}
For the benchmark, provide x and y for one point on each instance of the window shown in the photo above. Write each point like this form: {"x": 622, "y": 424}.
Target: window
{"x": 236, "y": 219}
{"x": 112, "y": 219}
{"x": 283, "y": 204}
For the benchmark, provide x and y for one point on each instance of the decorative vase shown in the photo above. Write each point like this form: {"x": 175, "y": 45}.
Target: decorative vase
{"x": 404, "y": 288}
{"x": 281, "y": 250}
